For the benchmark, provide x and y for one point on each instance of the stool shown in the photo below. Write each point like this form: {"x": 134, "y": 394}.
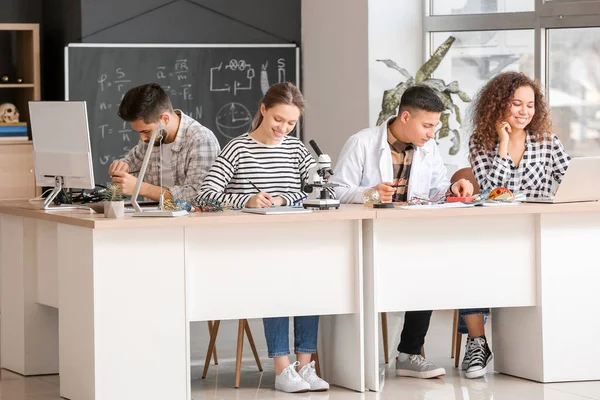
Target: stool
{"x": 242, "y": 327}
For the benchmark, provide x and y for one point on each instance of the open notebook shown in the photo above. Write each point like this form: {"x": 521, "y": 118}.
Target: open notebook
{"x": 277, "y": 210}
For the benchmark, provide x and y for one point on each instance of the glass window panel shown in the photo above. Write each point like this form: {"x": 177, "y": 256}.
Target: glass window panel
{"x": 574, "y": 88}
{"x": 473, "y": 59}
{"x": 457, "y": 7}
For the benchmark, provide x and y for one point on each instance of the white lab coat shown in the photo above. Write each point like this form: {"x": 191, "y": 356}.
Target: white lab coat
{"x": 366, "y": 161}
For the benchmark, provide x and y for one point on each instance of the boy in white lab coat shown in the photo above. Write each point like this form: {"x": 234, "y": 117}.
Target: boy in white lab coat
{"x": 402, "y": 162}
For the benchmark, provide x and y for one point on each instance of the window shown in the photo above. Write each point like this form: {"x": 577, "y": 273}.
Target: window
{"x": 477, "y": 56}
{"x": 574, "y": 88}
{"x": 566, "y": 61}
{"x": 458, "y": 7}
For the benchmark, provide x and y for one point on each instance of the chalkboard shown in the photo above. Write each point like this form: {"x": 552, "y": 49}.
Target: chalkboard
{"x": 219, "y": 86}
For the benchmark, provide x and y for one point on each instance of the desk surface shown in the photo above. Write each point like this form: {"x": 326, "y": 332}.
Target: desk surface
{"x": 523, "y": 208}
{"x": 89, "y": 219}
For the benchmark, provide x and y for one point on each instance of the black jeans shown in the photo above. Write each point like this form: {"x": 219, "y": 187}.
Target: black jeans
{"x": 416, "y": 324}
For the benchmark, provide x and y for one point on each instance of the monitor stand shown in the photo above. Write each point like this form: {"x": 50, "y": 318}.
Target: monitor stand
{"x": 58, "y": 180}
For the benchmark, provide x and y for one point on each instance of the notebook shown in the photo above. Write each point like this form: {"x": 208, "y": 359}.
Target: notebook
{"x": 277, "y": 210}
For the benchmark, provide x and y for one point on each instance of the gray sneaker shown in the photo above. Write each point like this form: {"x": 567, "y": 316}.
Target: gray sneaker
{"x": 416, "y": 366}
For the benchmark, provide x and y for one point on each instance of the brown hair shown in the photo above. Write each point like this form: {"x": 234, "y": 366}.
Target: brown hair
{"x": 492, "y": 104}
{"x": 146, "y": 102}
{"x": 280, "y": 93}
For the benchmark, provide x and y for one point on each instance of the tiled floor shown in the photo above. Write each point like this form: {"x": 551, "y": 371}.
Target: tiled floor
{"x": 219, "y": 385}
{"x": 255, "y": 385}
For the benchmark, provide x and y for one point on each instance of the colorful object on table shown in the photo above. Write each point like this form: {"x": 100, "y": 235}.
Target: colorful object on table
{"x": 209, "y": 205}
{"x": 497, "y": 192}
{"x": 169, "y": 205}
{"x": 183, "y": 205}
{"x": 460, "y": 199}
{"x": 501, "y": 194}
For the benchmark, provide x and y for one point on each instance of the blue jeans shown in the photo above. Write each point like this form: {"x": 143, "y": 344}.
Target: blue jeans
{"x": 277, "y": 333}
{"x": 462, "y": 325}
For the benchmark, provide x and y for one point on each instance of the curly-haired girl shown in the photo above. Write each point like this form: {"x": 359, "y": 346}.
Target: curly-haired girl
{"x": 512, "y": 146}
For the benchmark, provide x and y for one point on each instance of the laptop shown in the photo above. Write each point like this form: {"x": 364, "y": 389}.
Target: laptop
{"x": 580, "y": 183}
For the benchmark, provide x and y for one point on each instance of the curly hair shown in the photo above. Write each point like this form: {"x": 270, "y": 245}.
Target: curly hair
{"x": 492, "y": 104}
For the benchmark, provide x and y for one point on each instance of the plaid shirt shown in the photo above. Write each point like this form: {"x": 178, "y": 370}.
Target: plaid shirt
{"x": 402, "y": 156}
{"x": 194, "y": 150}
{"x": 543, "y": 163}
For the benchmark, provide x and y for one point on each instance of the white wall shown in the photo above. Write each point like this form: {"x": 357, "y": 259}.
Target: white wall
{"x": 396, "y": 33}
{"x": 335, "y": 71}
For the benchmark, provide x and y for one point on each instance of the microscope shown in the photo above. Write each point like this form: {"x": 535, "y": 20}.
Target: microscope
{"x": 320, "y": 182}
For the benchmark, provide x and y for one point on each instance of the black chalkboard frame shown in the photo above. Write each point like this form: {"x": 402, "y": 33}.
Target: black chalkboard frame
{"x": 98, "y": 169}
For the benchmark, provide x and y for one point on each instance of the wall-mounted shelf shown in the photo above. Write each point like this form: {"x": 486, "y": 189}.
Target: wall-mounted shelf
{"x": 16, "y": 85}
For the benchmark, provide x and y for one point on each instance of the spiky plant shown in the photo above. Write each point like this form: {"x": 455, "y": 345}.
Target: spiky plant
{"x": 391, "y": 97}
{"x": 113, "y": 193}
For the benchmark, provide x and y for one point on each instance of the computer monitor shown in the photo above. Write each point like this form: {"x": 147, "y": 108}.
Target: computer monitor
{"x": 61, "y": 146}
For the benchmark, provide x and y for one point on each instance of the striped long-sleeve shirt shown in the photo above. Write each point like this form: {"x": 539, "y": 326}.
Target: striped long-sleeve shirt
{"x": 279, "y": 170}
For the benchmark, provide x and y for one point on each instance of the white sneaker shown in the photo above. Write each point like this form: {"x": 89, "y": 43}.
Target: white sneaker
{"x": 309, "y": 374}
{"x": 290, "y": 382}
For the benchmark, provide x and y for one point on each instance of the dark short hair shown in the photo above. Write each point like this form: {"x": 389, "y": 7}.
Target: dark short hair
{"x": 146, "y": 102}
{"x": 420, "y": 97}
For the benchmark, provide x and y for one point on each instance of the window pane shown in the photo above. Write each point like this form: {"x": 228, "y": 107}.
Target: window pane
{"x": 574, "y": 94}
{"x": 473, "y": 59}
{"x": 456, "y": 7}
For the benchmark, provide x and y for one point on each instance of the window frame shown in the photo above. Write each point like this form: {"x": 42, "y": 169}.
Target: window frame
{"x": 547, "y": 14}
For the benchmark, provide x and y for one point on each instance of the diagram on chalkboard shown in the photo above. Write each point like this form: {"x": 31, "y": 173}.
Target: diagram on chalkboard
{"x": 264, "y": 78}
{"x": 281, "y": 70}
{"x": 233, "y": 65}
{"x": 233, "y": 119}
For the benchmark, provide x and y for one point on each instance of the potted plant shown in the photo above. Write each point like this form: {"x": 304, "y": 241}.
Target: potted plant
{"x": 114, "y": 205}
{"x": 391, "y": 97}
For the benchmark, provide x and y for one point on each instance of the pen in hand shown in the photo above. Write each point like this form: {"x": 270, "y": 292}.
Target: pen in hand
{"x": 398, "y": 183}
{"x": 260, "y": 191}
{"x": 253, "y": 185}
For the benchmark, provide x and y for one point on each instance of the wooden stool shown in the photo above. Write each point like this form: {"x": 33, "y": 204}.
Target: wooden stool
{"x": 315, "y": 358}
{"x": 242, "y": 327}
{"x": 456, "y": 339}
{"x": 210, "y": 326}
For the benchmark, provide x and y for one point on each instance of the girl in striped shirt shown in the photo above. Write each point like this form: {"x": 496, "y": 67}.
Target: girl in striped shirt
{"x": 266, "y": 158}
{"x": 276, "y": 164}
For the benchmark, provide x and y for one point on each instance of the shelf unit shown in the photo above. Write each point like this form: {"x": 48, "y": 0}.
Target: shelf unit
{"x": 17, "y": 178}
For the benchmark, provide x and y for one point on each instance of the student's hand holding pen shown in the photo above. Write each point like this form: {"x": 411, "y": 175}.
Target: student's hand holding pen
{"x": 260, "y": 200}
